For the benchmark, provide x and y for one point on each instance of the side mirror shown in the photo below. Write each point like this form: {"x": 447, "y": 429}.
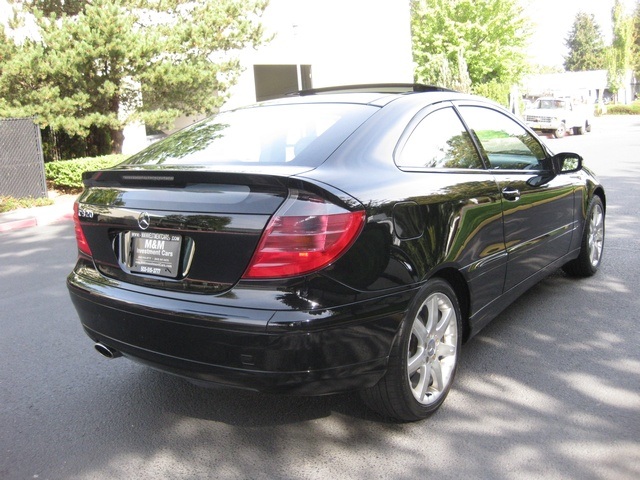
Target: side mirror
{"x": 558, "y": 164}
{"x": 566, "y": 162}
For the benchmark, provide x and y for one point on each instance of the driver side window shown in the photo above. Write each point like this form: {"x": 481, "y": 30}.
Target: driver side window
{"x": 506, "y": 144}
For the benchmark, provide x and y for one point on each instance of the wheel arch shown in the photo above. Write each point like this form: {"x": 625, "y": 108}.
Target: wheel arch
{"x": 600, "y": 193}
{"x": 457, "y": 281}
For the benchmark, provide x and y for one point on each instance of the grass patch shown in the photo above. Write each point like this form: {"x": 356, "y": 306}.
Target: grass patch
{"x": 7, "y": 204}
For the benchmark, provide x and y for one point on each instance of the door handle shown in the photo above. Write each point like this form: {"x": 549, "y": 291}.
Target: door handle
{"x": 511, "y": 194}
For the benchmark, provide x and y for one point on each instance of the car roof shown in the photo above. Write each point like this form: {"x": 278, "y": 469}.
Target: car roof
{"x": 369, "y": 94}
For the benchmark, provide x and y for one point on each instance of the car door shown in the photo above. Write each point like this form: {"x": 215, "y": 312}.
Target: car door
{"x": 459, "y": 199}
{"x": 537, "y": 209}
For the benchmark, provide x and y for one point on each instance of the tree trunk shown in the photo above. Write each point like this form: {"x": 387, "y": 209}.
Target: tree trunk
{"x": 117, "y": 139}
{"x": 117, "y": 135}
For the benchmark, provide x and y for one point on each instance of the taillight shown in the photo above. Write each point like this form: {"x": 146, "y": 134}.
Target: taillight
{"x": 306, "y": 234}
{"x": 81, "y": 240}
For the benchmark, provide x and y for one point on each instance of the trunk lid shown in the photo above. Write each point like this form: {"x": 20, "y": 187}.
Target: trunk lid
{"x": 188, "y": 230}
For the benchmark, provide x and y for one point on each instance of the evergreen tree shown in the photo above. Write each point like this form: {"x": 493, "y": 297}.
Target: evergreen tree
{"x": 586, "y": 45}
{"x": 56, "y": 7}
{"x": 102, "y": 64}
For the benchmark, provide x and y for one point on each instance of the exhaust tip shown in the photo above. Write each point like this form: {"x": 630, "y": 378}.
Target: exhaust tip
{"x": 106, "y": 351}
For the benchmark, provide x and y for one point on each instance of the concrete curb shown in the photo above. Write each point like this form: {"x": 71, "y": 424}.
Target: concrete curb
{"x": 62, "y": 209}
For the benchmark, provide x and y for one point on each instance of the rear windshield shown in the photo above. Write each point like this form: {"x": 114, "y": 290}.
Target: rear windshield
{"x": 300, "y": 134}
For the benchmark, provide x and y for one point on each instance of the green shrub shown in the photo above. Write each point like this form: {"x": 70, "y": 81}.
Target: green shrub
{"x": 67, "y": 174}
{"x": 632, "y": 109}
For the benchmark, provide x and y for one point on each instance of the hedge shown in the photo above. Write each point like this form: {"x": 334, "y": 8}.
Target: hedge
{"x": 633, "y": 109}
{"x": 67, "y": 174}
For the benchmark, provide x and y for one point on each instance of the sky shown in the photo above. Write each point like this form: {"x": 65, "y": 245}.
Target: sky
{"x": 553, "y": 20}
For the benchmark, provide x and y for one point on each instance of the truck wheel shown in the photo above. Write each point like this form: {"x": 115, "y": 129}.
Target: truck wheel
{"x": 560, "y": 131}
{"x": 579, "y": 130}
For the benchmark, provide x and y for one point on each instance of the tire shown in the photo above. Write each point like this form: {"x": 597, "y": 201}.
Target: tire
{"x": 424, "y": 357}
{"x": 592, "y": 244}
{"x": 579, "y": 130}
{"x": 560, "y": 131}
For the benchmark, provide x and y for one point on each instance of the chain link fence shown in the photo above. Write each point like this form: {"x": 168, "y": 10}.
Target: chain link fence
{"x": 21, "y": 161}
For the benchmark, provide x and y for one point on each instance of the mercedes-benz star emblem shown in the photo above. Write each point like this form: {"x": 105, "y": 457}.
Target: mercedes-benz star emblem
{"x": 144, "y": 221}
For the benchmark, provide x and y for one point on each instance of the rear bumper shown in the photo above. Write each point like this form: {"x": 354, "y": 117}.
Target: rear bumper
{"x": 306, "y": 352}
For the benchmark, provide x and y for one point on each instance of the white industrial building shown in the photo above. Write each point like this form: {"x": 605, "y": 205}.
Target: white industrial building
{"x": 586, "y": 87}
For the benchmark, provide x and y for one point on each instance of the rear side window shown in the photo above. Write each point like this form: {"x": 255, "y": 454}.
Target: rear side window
{"x": 506, "y": 144}
{"x": 300, "y": 134}
{"x": 439, "y": 141}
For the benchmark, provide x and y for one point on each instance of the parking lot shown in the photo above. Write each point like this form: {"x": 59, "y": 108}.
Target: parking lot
{"x": 550, "y": 389}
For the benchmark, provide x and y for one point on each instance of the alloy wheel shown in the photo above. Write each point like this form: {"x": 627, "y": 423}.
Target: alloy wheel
{"x": 432, "y": 349}
{"x": 596, "y": 235}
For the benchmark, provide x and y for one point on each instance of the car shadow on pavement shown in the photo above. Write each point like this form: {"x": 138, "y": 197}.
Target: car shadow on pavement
{"x": 241, "y": 407}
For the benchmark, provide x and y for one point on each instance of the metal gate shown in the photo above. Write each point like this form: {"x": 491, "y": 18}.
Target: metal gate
{"x": 21, "y": 160}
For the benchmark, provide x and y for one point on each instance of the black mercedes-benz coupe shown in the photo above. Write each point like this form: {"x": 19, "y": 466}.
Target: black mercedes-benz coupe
{"x": 333, "y": 240}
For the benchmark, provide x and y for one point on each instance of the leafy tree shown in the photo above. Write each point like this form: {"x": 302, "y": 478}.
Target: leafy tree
{"x": 622, "y": 34}
{"x": 541, "y": 69}
{"x": 490, "y": 36}
{"x": 586, "y": 45}
{"x": 620, "y": 58}
{"x": 636, "y": 36}
{"x": 101, "y": 64}
{"x": 453, "y": 75}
